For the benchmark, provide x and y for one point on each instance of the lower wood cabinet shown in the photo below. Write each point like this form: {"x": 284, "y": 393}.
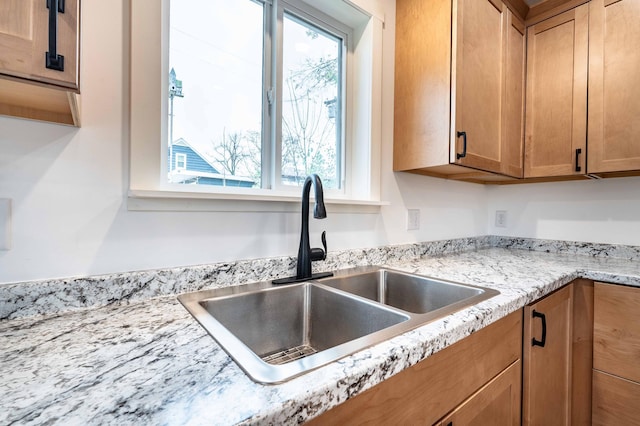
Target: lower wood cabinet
{"x": 469, "y": 380}
{"x": 482, "y": 380}
{"x": 616, "y": 355}
{"x": 557, "y": 357}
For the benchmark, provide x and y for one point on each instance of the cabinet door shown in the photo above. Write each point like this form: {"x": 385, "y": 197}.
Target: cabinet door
{"x": 24, "y": 41}
{"x": 548, "y": 361}
{"x": 556, "y": 110}
{"x": 614, "y": 86}
{"x": 497, "y": 403}
{"x": 479, "y": 47}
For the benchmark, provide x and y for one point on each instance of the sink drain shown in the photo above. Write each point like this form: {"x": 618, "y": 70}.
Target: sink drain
{"x": 289, "y": 355}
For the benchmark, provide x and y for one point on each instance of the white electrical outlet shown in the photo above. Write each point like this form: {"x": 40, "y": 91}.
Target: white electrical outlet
{"x": 413, "y": 219}
{"x": 5, "y": 224}
{"x": 501, "y": 218}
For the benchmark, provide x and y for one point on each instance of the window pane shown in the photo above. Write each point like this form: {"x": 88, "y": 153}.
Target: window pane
{"x": 311, "y": 104}
{"x": 215, "y": 92}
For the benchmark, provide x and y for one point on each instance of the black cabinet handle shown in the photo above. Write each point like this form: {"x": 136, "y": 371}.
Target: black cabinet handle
{"x": 578, "y": 152}
{"x": 54, "y": 61}
{"x": 534, "y": 341}
{"x": 464, "y": 145}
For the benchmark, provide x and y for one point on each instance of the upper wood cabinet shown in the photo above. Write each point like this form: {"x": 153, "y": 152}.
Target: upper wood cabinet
{"x": 600, "y": 37}
{"x": 458, "y": 80}
{"x": 614, "y": 86}
{"x": 556, "y": 109}
{"x": 34, "y": 81}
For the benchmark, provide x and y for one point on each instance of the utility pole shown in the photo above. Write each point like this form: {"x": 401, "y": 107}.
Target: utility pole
{"x": 175, "y": 90}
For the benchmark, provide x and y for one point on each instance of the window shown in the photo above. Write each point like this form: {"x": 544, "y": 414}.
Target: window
{"x": 181, "y": 161}
{"x": 259, "y": 93}
{"x": 312, "y": 103}
{"x": 230, "y": 105}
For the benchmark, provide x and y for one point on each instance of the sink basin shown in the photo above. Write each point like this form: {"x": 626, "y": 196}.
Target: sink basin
{"x": 275, "y": 333}
{"x": 273, "y": 322}
{"x": 408, "y": 292}
{"x": 279, "y": 332}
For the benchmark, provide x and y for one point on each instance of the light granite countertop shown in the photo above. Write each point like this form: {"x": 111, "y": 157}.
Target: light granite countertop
{"x": 149, "y": 362}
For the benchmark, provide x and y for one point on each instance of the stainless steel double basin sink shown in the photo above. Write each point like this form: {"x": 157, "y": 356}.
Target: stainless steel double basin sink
{"x": 275, "y": 333}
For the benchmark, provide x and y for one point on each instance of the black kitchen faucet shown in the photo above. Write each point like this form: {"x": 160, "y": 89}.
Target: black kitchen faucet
{"x": 306, "y": 254}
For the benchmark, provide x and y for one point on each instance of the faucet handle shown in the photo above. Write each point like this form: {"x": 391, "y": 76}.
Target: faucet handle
{"x": 318, "y": 253}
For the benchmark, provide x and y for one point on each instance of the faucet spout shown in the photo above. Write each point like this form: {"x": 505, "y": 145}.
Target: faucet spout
{"x": 319, "y": 212}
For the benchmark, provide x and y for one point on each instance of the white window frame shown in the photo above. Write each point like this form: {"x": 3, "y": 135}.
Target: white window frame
{"x": 148, "y": 186}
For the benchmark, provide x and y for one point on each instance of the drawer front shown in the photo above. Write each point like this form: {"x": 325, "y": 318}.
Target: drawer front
{"x": 616, "y": 331}
{"x": 616, "y": 401}
{"x": 496, "y": 404}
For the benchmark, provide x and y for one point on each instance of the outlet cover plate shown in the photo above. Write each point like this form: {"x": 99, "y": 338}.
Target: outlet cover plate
{"x": 413, "y": 219}
{"x": 501, "y": 218}
{"x": 5, "y": 223}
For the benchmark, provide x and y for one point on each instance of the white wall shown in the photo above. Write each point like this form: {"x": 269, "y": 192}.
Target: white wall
{"x": 69, "y": 191}
{"x": 69, "y": 187}
{"x": 606, "y": 211}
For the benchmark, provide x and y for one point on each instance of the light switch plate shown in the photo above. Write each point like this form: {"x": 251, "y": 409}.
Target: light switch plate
{"x": 5, "y": 224}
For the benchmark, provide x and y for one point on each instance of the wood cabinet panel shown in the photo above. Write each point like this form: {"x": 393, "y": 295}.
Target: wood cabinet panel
{"x": 556, "y": 108}
{"x": 426, "y": 392}
{"x": 16, "y": 35}
{"x": 513, "y": 99}
{"x": 547, "y": 369}
{"x": 614, "y": 86}
{"x": 616, "y": 331}
{"x": 38, "y": 102}
{"x": 582, "y": 352}
{"x": 616, "y": 401}
{"x": 422, "y": 84}
{"x": 496, "y": 404}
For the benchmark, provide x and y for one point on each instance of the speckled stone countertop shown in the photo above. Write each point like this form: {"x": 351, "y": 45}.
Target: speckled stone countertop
{"x": 149, "y": 362}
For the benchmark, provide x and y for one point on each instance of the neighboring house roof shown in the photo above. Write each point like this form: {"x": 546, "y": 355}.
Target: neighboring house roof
{"x": 199, "y": 169}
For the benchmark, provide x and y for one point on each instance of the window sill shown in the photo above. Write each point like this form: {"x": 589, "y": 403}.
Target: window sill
{"x": 147, "y": 200}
